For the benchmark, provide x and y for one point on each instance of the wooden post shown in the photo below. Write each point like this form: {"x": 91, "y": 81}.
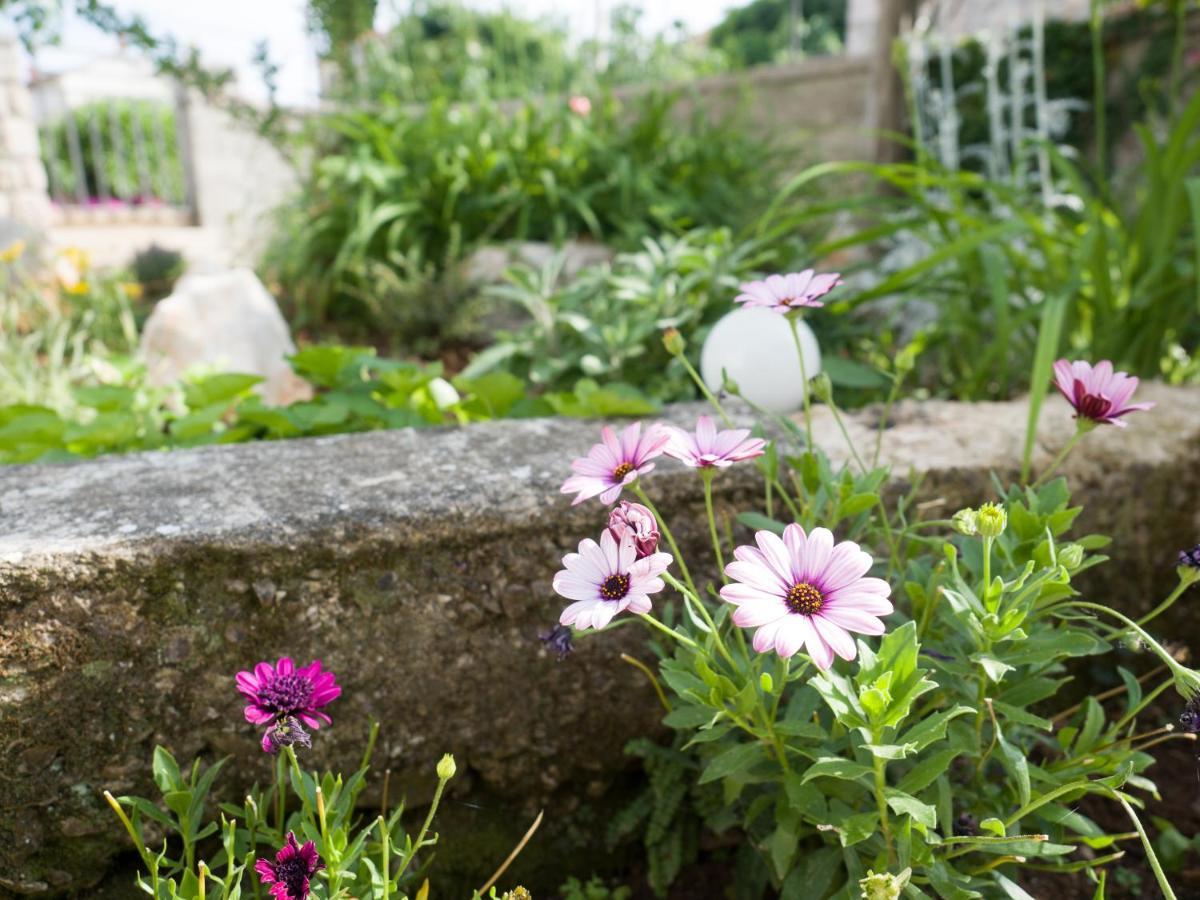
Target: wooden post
{"x": 887, "y": 82}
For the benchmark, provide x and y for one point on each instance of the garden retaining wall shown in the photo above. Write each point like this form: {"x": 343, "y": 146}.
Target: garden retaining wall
{"x": 417, "y": 565}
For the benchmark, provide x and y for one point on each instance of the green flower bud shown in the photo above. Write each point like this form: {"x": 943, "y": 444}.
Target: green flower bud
{"x": 674, "y": 342}
{"x": 728, "y": 385}
{"x": 883, "y": 886}
{"x": 991, "y": 520}
{"x": 1070, "y": 556}
{"x": 446, "y": 768}
{"x": 766, "y": 682}
{"x": 822, "y": 387}
{"x": 966, "y": 522}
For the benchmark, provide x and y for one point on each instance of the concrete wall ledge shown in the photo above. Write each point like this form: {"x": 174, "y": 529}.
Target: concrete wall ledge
{"x": 417, "y": 564}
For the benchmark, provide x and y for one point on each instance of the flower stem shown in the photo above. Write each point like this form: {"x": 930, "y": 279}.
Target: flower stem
{"x": 1062, "y": 455}
{"x": 706, "y": 476}
{"x": 708, "y": 394}
{"x": 671, "y": 632}
{"x": 794, "y": 325}
{"x": 666, "y": 532}
{"x": 885, "y": 826}
{"x": 987, "y": 563}
{"x": 279, "y": 781}
{"x": 837, "y": 417}
{"x": 1166, "y": 604}
{"x": 385, "y": 864}
{"x": 416, "y": 847}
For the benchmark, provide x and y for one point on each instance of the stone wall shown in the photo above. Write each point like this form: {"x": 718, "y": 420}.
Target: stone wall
{"x": 23, "y": 194}
{"x": 417, "y": 565}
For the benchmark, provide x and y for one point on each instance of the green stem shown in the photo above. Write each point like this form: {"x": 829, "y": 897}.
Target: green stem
{"x": 666, "y": 532}
{"x": 808, "y": 435}
{"x": 706, "y": 476}
{"x": 887, "y": 414}
{"x": 1062, "y": 455}
{"x": 881, "y": 801}
{"x": 1151, "y": 857}
{"x": 987, "y": 564}
{"x": 708, "y": 395}
{"x": 1166, "y": 604}
{"x": 385, "y": 863}
{"x": 279, "y": 808}
{"x": 837, "y": 417}
{"x": 416, "y": 847}
{"x": 670, "y": 632}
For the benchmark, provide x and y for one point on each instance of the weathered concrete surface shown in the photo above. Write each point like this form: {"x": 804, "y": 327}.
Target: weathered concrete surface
{"x": 418, "y": 566}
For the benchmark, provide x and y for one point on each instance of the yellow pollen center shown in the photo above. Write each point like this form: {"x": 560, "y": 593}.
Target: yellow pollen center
{"x": 621, "y": 471}
{"x": 804, "y": 599}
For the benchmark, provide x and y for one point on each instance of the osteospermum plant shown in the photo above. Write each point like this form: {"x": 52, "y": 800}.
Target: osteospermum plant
{"x": 885, "y": 703}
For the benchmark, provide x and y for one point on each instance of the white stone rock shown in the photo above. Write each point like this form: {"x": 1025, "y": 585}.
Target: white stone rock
{"x": 224, "y": 322}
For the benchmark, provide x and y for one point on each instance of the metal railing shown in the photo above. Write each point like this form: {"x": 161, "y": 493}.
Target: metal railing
{"x": 118, "y": 154}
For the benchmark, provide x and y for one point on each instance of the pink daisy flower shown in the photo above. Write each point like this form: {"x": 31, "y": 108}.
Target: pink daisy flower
{"x": 580, "y": 105}
{"x": 1099, "y": 393}
{"x": 638, "y": 522}
{"x": 293, "y": 867}
{"x": 805, "y": 591}
{"x": 784, "y": 293}
{"x": 277, "y": 692}
{"x": 607, "y": 578}
{"x": 614, "y": 463}
{"x": 709, "y": 448}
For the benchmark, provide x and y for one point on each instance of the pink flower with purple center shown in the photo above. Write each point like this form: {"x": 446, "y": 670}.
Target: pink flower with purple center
{"x": 615, "y": 462}
{"x": 784, "y": 293}
{"x": 1098, "y": 394}
{"x": 710, "y": 448}
{"x": 638, "y": 522}
{"x": 607, "y": 578}
{"x": 276, "y": 692}
{"x": 806, "y": 591}
{"x": 294, "y": 866}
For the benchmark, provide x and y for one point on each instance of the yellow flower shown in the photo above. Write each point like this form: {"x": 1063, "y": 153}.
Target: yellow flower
{"x": 70, "y": 268}
{"x": 13, "y": 251}
{"x": 132, "y": 290}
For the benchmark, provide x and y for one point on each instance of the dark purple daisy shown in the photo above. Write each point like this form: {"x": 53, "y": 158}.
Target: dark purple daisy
{"x": 285, "y": 733}
{"x": 1189, "y": 721}
{"x": 276, "y": 692}
{"x": 290, "y": 873}
{"x": 1190, "y": 558}
{"x": 558, "y": 640}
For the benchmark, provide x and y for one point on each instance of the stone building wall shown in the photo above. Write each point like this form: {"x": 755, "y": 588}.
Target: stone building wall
{"x": 23, "y": 192}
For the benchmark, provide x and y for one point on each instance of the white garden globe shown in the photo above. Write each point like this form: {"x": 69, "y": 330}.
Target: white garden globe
{"x": 755, "y": 347}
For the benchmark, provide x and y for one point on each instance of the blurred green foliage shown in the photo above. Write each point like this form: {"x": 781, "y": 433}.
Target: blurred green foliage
{"x": 773, "y": 31}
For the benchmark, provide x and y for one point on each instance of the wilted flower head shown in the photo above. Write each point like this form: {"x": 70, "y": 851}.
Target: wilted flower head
{"x": 1190, "y": 558}
{"x": 804, "y": 591}
{"x": 1189, "y": 720}
{"x": 709, "y": 448}
{"x": 615, "y": 462}
{"x": 607, "y": 578}
{"x": 293, "y": 867}
{"x": 580, "y": 105}
{"x": 784, "y": 293}
{"x": 517, "y": 893}
{"x": 966, "y": 521}
{"x": 636, "y": 520}
{"x": 558, "y": 641}
{"x": 286, "y": 732}
{"x": 276, "y": 692}
{"x": 1098, "y": 395}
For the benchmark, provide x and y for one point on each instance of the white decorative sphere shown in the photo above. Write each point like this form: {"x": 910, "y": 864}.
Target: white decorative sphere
{"x": 755, "y": 347}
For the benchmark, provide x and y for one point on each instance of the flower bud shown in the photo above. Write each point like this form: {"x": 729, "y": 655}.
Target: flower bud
{"x": 517, "y": 893}
{"x": 1070, "y": 556}
{"x": 822, "y": 387}
{"x": 766, "y": 682}
{"x": 884, "y": 885}
{"x": 636, "y": 522}
{"x": 991, "y": 520}
{"x": 966, "y": 522}
{"x": 1189, "y": 566}
{"x": 674, "y": 342}
{"x": 446, "y": 768}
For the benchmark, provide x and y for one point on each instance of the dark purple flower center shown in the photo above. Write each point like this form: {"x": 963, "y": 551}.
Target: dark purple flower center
{"x": 804, "y": 599}
{"x": 1190, "y": 557}
{"x": 294, "y": 873}
{"x": 614, "y": 587}
{"x": 1090, "y": 406}
{"x": 286, "y": 694}
{"x": 622, "y": 470}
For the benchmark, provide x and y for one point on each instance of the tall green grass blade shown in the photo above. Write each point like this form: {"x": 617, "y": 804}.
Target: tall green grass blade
{"x": 1193, "y": 190}
{"x": 1049, "y": 335}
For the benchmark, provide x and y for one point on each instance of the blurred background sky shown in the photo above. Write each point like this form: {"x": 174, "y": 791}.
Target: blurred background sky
{"x": 226, "y": 32}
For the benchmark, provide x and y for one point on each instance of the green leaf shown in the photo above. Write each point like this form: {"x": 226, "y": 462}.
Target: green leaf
{"x": 905, "y": 804}
{"x": 926, "y": 771}
{"x": 814, "y": 876}
{"x": 850, "y": 374}
{"x": 738, "y": 758}
{"x": 933, "y": 728}
{"x": 220, "y": 388}
{"x": 836, "y": 767}
{"x": 166, "y": 771}
{"x": 759, "y": 522}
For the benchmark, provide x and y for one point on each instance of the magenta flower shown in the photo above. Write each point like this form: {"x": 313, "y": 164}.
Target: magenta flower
{"x": 784, "y": 293}
{"x": 605, "y": 579}
{"x": 709, "y": 448}
{"x": 293, "y": 867}
{"x": 580, "y": 105}
{"x": 635, "y": 520}
{"x": 1098, "y": 394}
{"x": 276, "y": 692}
{"x": 805, "y": 591}
{"x": 614, "y": 463}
